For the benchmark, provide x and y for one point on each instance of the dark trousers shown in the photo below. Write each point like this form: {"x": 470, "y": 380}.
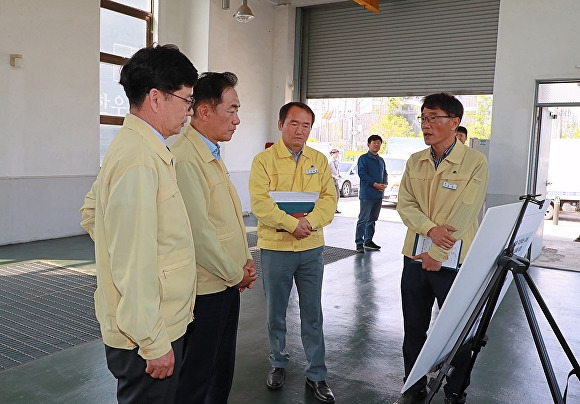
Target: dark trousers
{"x": 367, "y": 218}
{"x": 136, "y": 386}
{"x": 210, "y": 349}
{"x": 419, "y": 289}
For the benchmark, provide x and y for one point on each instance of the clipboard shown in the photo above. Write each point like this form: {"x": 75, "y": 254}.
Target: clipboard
{"x": 424, "y": 244}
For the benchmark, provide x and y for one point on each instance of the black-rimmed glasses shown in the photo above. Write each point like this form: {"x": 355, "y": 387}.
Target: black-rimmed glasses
{"x": 189, "y": 101}
{"x": 431, "y": 118}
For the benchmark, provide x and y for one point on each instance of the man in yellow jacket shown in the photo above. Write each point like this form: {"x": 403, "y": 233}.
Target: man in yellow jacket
{"x": 440, "y": 196}
{"x": 144, "y": 252}
{"x": 292, "y": 244}
{"x": 224, "y": 262}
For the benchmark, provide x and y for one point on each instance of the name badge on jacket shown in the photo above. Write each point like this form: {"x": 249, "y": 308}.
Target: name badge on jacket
{"x": 449, "y": 185}
{"x": 312, "y": 171}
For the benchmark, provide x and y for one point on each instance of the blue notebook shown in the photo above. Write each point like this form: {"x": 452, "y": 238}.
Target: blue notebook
{"x": 293, "y": 202}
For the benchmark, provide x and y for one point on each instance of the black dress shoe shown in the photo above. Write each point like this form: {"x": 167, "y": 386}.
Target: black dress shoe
{"x": 276, "y": 378}
{"x": 455, "y": 399}
{"x": 370, "y": 245}
{"x": 412, "y": 398}
{"x": 321, "y": 391}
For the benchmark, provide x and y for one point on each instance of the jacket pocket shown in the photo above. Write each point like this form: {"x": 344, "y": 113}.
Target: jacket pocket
{"x": 177, "y": 276}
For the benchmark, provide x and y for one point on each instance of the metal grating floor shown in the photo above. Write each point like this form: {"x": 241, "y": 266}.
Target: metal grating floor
{"x": 329, "y": 255}
{"x": 44, "y": 308}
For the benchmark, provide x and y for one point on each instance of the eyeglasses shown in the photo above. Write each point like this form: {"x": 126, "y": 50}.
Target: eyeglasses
{"x": 189, "y": 101}
{"x": 432, "y": 118}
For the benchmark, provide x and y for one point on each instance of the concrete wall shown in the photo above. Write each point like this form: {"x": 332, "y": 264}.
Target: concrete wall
{"x": 50, "y": 106}
{"x": 260, "y": 53}
{"x": 536, "y": 40}
{"x": 49, "y": 115}
{"x": 50, "y": 112}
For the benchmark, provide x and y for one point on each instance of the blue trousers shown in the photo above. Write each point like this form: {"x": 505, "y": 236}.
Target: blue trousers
{"x": 419, "y": 289}
{"x": 209, "y": 352}
{"x": 305, "y": 268}
{"x": 367, "y": 217}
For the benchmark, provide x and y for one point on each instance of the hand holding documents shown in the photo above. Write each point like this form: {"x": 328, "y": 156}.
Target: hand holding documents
{"x": 424, "y": 244}
{"x": 294, "y": 202}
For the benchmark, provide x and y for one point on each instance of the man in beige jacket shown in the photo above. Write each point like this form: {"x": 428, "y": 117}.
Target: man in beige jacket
{"x": 224, "y": 263}
{"x": 144, "y": 251}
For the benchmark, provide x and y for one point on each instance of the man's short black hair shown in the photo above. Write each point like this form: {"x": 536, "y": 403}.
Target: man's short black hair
{"x": 374, "y": 137}
{"x": 210, "y": 87}
{"x": 286, "y": 107}
{"x": 162, "y": 67}
{"x": 444, "y": 101}
{"x": 461, "y": 129}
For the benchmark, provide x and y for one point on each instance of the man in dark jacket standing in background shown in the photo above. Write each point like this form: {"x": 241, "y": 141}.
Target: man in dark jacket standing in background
{"x": 373, "y": 181}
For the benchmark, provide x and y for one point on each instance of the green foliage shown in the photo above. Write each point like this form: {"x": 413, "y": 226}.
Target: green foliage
{"x": 571, "y": 132}
{"x": 392, "y": 123}
{"x": 575, "y": 134}
{"x": 478, "y": 122}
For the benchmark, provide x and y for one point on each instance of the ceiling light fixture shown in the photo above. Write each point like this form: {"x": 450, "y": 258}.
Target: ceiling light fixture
{"x": 244, "y": 14}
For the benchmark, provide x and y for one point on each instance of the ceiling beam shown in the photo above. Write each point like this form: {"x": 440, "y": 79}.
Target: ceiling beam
{"x": 372, "y": 5}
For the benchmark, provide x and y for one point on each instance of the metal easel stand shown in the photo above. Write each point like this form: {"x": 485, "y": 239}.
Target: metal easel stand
{"x": 488, "y": 301}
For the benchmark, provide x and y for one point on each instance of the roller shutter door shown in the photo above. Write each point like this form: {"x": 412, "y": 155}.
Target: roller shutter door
{"x": 413, "y": 47}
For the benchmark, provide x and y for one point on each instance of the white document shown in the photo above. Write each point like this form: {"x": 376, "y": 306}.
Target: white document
{"x": 288, "y": 196}
{"x": 424, "y": 244}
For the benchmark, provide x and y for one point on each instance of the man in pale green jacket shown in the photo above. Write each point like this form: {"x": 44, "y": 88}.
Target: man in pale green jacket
{"x": 440, "y": 196}
{"x": 144, "y": 251}
{"x": 224, "y": 262}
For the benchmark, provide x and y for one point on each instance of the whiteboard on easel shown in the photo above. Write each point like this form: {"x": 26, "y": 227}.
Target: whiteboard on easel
{"x": 475, "y": 274}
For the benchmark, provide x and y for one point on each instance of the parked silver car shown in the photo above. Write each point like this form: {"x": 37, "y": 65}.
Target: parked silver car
{"x": 349, "y": 181}
{"x": 395, "y": 168}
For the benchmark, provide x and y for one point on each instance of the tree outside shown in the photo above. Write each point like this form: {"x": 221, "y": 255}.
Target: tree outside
{"x": 346, "y": 123}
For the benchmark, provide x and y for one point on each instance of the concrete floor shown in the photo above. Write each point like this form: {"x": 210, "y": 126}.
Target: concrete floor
{"x": 362, "y": 325}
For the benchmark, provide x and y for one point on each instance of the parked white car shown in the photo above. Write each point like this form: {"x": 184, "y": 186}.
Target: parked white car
{"x": 395, "y": 168}
{"x": 349, "y": 181}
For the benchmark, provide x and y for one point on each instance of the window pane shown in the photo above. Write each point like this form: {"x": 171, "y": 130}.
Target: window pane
{"x": 113, "y": 100}
{"x": 121, "y": 34}
{"x": 552, "y": 93}
{"x": 140, "y": 4}
{"x": 107, "y": 132}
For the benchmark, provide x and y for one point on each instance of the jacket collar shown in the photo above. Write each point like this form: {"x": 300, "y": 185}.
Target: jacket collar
{"x": 454, "y": 157}
{"x": 195, "y": 138}
{"x": 283, "y": 152}
{"x": 138, "y": 125}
